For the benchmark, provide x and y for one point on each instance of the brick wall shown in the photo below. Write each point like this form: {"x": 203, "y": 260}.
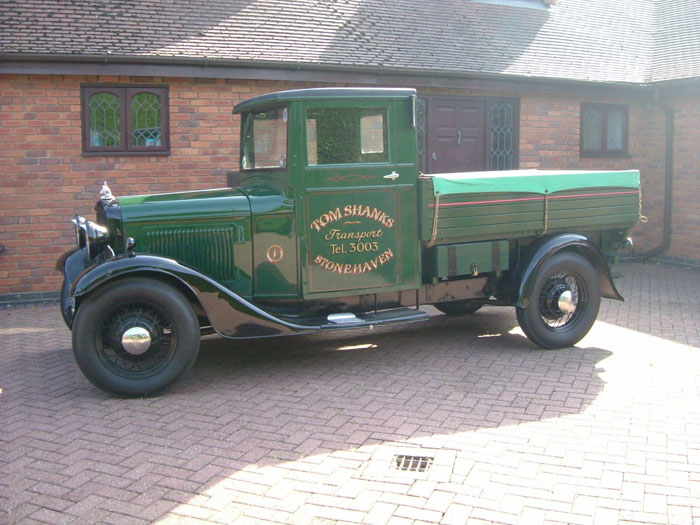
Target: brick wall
{"x": 685, "y": 226}
{"x": 46, "y": 180}
{"x": 550, "y": 139}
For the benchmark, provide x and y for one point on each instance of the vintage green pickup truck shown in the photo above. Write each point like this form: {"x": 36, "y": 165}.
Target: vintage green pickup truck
{"x": 331, "y": 226}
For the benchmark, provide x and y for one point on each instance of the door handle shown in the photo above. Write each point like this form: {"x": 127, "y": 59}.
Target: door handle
{"x": 393, "y": 175}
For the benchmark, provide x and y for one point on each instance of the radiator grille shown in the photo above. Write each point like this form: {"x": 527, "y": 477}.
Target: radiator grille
{"x": 208, "y": 249}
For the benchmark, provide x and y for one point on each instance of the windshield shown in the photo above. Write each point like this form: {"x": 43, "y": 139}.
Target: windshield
{"x": 265, "y": 140}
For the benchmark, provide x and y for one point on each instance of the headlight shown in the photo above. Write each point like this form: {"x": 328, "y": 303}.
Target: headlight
{"x": 90, "y": 234}
{"x": 80, "y": 230}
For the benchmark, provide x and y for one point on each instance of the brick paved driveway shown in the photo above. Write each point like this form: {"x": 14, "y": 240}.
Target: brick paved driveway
{"x": 304, "y": 430}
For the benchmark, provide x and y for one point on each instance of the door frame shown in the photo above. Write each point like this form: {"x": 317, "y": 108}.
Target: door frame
{"x": 488, "y": 142}
{"x": 359, "y": 178}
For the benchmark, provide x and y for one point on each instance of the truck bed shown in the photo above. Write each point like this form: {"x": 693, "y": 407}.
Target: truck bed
{"x": 521, "y": 203}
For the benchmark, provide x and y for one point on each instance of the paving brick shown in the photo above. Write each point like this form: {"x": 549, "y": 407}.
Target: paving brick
{"x": 607, "y": 431}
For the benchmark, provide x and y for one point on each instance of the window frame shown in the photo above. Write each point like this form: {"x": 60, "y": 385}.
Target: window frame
{"x": 368, "y": 104}
{"x": 125, "y": 92}
{"x": 605, "y": 109}
{"x": 245, "y": 124}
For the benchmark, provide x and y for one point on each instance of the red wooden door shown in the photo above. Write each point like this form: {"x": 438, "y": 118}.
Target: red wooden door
{"x": 456, "y": 135}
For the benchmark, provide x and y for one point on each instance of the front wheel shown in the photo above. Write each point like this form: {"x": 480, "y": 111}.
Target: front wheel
{"x": 135, "y": 337}
{"x": 564, "y": 302}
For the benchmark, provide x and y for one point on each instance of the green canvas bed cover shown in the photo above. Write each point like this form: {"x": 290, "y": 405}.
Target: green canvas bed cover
{"x": 531, "y": 181}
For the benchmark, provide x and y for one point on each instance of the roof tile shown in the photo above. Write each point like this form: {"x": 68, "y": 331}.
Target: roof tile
{"x": 634, "y": 41}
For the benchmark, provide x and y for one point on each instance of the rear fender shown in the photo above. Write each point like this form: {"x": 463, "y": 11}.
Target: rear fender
{"x": 537, "y": 253}
{"x": 229, "y": 314}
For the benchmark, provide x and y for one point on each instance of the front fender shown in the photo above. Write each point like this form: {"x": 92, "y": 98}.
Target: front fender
{"x": 71, "y": 264}
{"x": 541, "y": 250}
{"x": 229, "y": 314}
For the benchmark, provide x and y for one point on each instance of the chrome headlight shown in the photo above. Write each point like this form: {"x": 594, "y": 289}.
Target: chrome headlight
{"x": 90, "y": 234}
{"x": 80, "y": 231}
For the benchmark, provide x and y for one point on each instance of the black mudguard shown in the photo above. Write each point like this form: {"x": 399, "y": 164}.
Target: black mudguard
{"x": 229, "y": 314}
{"x": 537, "y": 253}
{"x": 72, "y": 263}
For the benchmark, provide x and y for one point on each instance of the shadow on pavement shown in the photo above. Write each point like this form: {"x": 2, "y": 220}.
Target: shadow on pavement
{"x": 270, "y": 402}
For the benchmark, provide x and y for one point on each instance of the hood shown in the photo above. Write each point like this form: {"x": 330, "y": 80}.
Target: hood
{"x": 183, "y": 206}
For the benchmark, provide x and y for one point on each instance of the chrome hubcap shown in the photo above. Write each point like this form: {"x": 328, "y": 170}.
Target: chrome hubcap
{"x": 566, "y": 302}
{"x": 136, "y": 340}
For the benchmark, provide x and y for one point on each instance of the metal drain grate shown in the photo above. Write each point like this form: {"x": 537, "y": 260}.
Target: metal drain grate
{"x": 412, "y": 463}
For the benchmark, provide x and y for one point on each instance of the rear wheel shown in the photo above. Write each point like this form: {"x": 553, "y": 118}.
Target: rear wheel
{"x": 564, "y": 302}
{"x": 135, "y": 337}
{"x": 458, "y": 307}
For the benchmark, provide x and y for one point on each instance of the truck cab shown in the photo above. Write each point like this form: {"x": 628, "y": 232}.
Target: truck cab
{"x": 342, "y": 164}
{"x": 329, "y": 225}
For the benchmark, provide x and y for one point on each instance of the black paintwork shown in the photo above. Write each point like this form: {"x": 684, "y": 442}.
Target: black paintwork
{"x": 269, "y": 100}
{"x": 229, "y": 314}
{"x": 537, "y": 253}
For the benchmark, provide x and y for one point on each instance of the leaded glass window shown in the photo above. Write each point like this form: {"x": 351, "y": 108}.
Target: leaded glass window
{"x": 616, "y": 130}
{"x": 125, "y": 120}
{"x": 592, "y": 129}
{"x": 604, "y": 129}
{"x": 503, "y": 134}
{"x": 421, "y": 134}
{"x": 145, "y": 118}
{"x": 105, "y": 123}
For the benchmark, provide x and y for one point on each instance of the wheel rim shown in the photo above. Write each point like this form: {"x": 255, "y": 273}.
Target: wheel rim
{"x": 561, "y": 301}
{"x": 136, "y": 340}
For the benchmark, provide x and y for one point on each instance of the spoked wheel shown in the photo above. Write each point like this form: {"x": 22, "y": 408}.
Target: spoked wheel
{"x": 135, "y": 337}
{"x": 136, "y": 340}
{"x": 564, "y": 302}
{"x": 560, "y": 299}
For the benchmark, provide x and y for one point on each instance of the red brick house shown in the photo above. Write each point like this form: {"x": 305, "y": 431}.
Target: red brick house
{"x": 140, "y": 94}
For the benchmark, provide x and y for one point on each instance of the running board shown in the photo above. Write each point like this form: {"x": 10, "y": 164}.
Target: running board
{"x": 395, "y": 316}
{"x": 364, "y": 320}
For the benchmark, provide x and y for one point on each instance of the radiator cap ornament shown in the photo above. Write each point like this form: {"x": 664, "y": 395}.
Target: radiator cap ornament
{"x": 106, "y": 194}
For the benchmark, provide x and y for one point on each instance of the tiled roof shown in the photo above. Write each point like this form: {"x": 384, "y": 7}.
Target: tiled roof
{"x": 676, "y": 40}
{"x": 634, "y": 41}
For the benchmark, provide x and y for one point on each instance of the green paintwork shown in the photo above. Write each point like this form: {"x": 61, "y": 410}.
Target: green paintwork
{"x": 466, "y": 259}
{"x": 469, "y": 217}
{"x": 207, "y": 230}
{"x": 532, "y": 181}
{"x": 306, "y": 231}
{"x": 359, "y": 229}
{"x": 348, "y": 96}
{"x": 274, "y": 239}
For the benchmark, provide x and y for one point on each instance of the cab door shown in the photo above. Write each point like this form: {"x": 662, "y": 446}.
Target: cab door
{"x": 357, "y": 207}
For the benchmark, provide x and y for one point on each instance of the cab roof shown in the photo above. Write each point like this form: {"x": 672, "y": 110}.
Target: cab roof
{"x": 279, "y": 97}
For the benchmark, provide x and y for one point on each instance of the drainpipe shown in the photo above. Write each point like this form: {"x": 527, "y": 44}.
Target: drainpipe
{"x": 668, "y": 182}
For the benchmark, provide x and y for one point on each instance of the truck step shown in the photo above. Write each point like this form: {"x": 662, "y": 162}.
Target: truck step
{"x": 395, "y": 316}
{"x": 350, "y": 320}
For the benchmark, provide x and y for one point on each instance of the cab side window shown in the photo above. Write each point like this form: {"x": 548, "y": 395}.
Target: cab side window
{"x": 265, "y": 140}
{"x": 346, "y": 135}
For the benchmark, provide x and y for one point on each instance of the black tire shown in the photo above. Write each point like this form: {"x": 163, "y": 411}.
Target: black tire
{"x": 543, "y": 320}
{"x": 143, "y": 304}
{"x": 458, "y": 307}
